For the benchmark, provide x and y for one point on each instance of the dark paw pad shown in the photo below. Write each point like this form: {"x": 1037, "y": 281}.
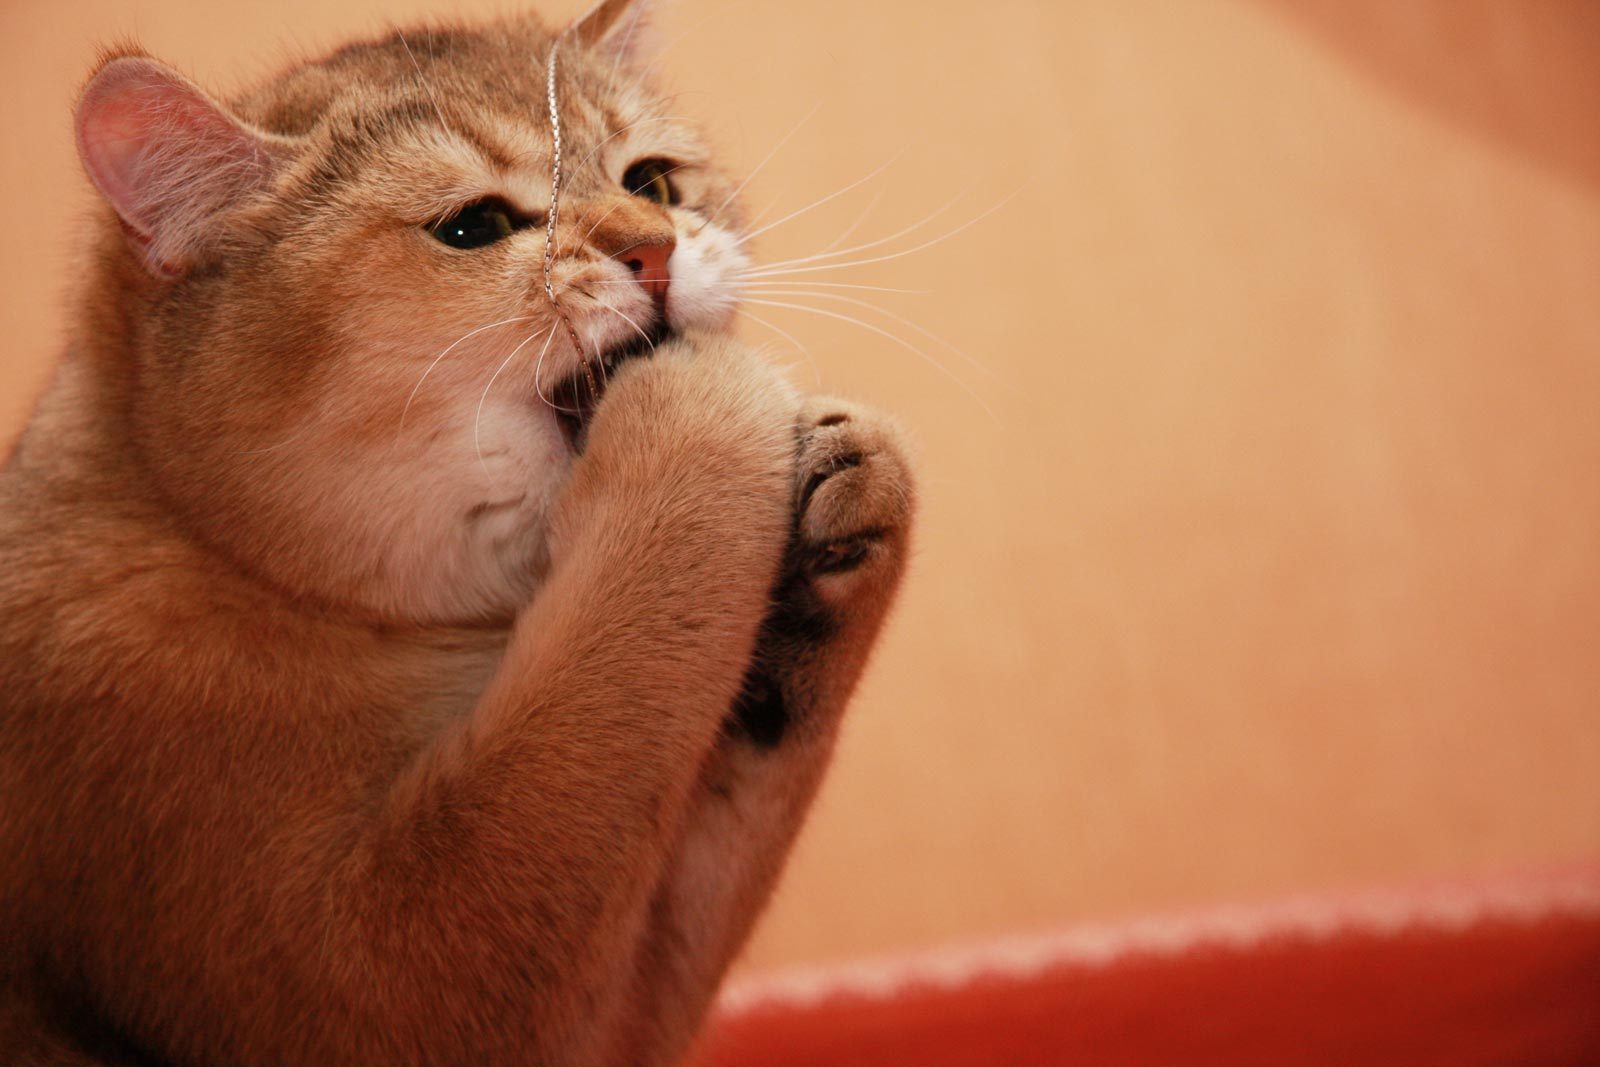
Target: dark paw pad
{"x": 760, "y": 713}
{"x": 837, "y": 557}
{"x": 835, "y": 465}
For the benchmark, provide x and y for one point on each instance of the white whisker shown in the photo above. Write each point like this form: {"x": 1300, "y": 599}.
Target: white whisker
{"x": 538, "y": 371}
{"x": 634, "y": 16}
{"x": 762, "y": 273}
{"x": 427, "y": 87}
{"x": 618, "y": 133}
{"x": 877, "y": 198}
{"x": 902, "y": 342}
{"x": 816, "y": 372}
{"x": 930, "y": 335}
{"x": 802, "y": 282}
{"x": 818, "y": 203}
{"x": 781, "y": 284}
{"x": 446, "y": 352}
{"x": 748, "y": 178}
{"x": 766, "y": 209}
{"x": 630, "y": 322}
{"x": 867, "y": 246}
{"x": 660, "y": 52}
{"x": 620, "y": 202}
{"x": 477, "y": 420}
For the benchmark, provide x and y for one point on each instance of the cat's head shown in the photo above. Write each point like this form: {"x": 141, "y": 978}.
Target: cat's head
{"x": 346, "y": 371}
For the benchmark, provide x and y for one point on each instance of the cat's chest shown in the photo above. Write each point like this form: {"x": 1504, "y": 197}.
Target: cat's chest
{"x": 459, "y": 532}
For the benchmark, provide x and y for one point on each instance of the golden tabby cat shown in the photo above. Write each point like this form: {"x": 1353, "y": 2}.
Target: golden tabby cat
{"x": 370, "y": 691}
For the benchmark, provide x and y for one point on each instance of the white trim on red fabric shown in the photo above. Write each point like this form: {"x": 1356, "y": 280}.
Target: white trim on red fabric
{"x": 1443, "y": 908}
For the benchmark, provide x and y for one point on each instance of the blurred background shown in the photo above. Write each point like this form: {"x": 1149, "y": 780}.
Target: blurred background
{"x": 1253, "y": 357}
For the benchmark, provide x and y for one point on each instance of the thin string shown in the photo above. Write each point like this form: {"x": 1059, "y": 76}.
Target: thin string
{"x": 550, "y": 220}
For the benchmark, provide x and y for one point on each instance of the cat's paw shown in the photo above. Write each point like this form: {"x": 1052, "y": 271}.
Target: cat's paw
{"x": 697, "y": 402}
{"x": 696, "y": 440}
{"x": 853, "y": 505}
{"x": 853, "y": 500}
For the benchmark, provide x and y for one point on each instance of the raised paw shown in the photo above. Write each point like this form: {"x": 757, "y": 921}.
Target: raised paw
{"x": 853, "y": 499}
{"x": 853, "y": 503}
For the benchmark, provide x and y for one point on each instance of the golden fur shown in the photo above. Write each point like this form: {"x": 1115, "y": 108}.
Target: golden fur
{"x": 348, "y": 713}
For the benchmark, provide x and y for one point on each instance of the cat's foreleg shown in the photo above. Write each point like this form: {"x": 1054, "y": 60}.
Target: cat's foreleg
{"x": 509, "y": 880}
{"x": 853, "y": 507}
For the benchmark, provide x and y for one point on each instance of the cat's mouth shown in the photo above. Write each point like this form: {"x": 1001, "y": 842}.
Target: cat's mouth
{"x": 578, "y": 396}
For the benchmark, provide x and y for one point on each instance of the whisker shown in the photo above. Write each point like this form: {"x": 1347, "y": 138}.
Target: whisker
{"x": 929, "y": 334}
{"x": 618, "y": 133}
{"x": 759, "y": 284}
{"x": 877, "y": 198}
{"x": 902, "y": 342}
{"x": 888, "y": 256}
{"x": 427, "y": 87}
{"x": 538, "y": 370}
{"x": 446, "y": 352}
{"x": 635, "y": 16}
{"x": 660, "y": 52}
{"x": 816, "y": 372}
{"x": 765, "y": 210}
{"x": 477, "y": 421}
{"x": 652, "y": 69}
{"x": 748, "y": 178}
{"x": 635, "y": 325}
{"x": 612, "y": 208}
{"x": 818, "y": 203}
{"x": 869, "y": 245}
{"x": 785, "y": 284}
{"x": 866, "y": 246}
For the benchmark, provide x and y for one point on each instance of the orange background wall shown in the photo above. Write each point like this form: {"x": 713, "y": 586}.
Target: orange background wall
{"x": 1260, "y": 547}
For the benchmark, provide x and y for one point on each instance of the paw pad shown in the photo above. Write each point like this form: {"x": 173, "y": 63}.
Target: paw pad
{"x": 839, "y": 556}
{"x": 834, "y": 466}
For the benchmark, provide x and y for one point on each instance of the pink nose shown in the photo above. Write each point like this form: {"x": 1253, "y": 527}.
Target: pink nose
{"x": 648, "y": 262}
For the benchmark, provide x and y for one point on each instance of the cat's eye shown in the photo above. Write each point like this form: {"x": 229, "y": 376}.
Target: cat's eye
{"x": 648, "y": 178}
{"x": 480, "y": 223}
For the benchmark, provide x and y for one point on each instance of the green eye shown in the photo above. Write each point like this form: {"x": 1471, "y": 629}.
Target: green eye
{"x": 478, "y": 224}
{"x": 648, "y": 178}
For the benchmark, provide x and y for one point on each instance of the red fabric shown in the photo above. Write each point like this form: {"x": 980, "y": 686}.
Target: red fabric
{"x": 1495, "y": 993}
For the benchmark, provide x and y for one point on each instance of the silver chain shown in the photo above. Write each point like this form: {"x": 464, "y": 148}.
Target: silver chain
{"x": 555, "y": 210}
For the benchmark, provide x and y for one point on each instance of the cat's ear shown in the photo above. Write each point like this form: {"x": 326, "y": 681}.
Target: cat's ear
{"x": 167, "y": 157}
{"x": 620, "y": 27}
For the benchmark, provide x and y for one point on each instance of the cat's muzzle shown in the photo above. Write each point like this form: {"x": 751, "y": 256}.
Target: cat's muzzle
{"x": 578, "y": 396}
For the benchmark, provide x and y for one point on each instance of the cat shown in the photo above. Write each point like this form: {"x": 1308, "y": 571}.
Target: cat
{"x": 376, "y": 688}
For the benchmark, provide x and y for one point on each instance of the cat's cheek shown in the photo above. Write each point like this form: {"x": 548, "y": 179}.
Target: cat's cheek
{"x": 706, "y": 269}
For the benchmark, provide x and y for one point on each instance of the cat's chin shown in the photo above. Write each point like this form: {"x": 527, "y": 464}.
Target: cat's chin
{"x": 578, "y": 396}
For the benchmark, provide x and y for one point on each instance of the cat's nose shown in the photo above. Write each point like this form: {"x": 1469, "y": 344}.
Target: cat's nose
{"x": 648, "y": 262}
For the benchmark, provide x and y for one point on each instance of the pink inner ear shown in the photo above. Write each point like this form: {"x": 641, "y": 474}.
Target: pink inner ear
{"x": 620, "y": 27}
{"x": 162, "y": 154}
{"x": 110, "y": 141}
